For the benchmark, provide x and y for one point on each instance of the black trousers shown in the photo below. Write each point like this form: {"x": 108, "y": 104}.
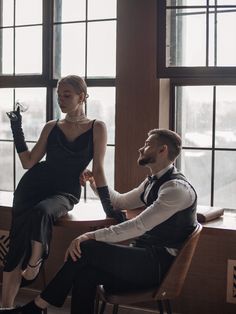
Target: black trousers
{"x": 117, "y": 267}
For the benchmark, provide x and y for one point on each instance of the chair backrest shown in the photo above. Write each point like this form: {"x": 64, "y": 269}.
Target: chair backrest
{"x": 172, "y": 284}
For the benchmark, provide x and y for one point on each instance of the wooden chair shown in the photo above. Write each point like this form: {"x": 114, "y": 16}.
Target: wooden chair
{"x": 169, "y": 289}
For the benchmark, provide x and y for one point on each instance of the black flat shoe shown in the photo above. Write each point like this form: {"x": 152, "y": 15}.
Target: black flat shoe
{"x": 26, "y": 282}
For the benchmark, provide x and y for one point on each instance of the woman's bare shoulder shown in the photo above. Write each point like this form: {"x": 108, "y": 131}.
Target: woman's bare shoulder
{"x": 48, "y": 127}
{"x": 99, "y": 124}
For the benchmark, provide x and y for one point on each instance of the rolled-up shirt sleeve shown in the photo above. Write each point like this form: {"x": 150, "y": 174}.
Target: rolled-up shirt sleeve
{"x": 174, "y": 196}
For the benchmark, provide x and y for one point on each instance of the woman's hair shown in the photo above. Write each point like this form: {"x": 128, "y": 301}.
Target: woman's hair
{"x": 169, "y": 138}
{"x": 77, "y": 82}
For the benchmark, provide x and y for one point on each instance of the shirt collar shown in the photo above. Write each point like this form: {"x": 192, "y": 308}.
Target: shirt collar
{"x": 163, "y": 171}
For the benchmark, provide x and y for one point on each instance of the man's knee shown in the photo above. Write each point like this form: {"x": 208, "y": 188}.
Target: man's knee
{"x": 88, "y": 245}
{"x": 93, "y": 251}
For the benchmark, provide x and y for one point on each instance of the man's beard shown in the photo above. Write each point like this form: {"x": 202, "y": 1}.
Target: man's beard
{"x": 143, "y": 161}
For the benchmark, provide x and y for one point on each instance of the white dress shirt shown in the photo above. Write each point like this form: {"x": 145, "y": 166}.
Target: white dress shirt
{"x": 173, "y": 196}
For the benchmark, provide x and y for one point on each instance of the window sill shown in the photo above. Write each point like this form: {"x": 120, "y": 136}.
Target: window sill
{"x": 92, "y": 209}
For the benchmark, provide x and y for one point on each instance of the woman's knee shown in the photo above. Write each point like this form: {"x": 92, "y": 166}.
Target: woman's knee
{"x": 41, "y": 212}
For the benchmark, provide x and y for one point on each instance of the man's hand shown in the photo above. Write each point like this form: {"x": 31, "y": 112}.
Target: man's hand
{"x": 74, "y": 249}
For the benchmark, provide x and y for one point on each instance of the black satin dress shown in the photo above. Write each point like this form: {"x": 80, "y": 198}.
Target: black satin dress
{"x": 46, "y": 192}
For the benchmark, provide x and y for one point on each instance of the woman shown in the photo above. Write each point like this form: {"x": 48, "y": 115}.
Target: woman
{"x": 50, "y": 188}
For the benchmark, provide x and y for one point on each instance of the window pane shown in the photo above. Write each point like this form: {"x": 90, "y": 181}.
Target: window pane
{"x": 225, "y": 181}
{"x": 29, "y": 50}
{"x": 6, "y": 166}
{"x": 28, "y": 12}
{"x": 7, "y": 51}
{"x": 226, "y": 116}
{"x": 69, "y": 10}
{"x": 226, "y": 43}
{"x": 70, "y": 57}
{"x": 101, "y": 9}
{"x": 225, "y": 2}
{"x": 194, "y": 105}
{"x": 196, "y": 165}
{"x": 101, "y": 106}
{"x": 6, "y": 96}
{"x": 186, "y": 46}
{"x": 102, "y": 49}
{"x": 7, "y": 12}
{"x": 34, "y": 118}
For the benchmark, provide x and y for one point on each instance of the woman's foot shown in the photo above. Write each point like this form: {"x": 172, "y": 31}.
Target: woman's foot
{"x": 31, "y": 273}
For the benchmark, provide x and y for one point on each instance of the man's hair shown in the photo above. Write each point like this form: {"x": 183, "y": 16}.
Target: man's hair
{"x": 169, "y": 138}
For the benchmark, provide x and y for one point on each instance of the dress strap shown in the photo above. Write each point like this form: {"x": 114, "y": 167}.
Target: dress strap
{"x": 93, "y": 123}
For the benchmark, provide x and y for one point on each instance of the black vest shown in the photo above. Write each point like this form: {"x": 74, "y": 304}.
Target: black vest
{"x": 172, "y": 232}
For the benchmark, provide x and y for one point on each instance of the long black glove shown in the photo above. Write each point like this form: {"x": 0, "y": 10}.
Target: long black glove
{"x": 18, "y": 134}
{"x": 104, "y": 195}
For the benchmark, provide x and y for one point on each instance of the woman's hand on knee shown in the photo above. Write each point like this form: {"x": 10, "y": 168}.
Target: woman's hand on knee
{"x": 74, "y": 249}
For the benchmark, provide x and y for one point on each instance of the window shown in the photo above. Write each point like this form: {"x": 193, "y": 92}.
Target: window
{"x": 197, "y": 37}
{"x": 41, "y": 41}
{"x": 205, "y": 118}
{"x": 199, "y": 59}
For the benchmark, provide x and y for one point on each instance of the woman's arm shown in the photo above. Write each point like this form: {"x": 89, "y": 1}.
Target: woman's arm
{"x": 30, "y": 158}
{"x": 99, "y": 150}
{"x": 100, "y": 142}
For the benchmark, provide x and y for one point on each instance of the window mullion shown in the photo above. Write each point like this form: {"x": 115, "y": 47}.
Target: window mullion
{"x": 213, "y": 146}
{"x": 215, "y": 35}
{"x": 207, "y": 34}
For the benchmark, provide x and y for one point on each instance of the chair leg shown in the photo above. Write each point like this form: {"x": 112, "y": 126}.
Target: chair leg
{"x": 103, "y": 306}
{"x": 115, "y": 308}
{"x": 168, "y": 307}
{"x": 160, "y": 306}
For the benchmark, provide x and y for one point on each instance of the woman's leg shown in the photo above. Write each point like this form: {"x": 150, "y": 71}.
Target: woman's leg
{"x": 43, "y": 217}
{"x": 35, "y": 261}
{"x": 13, "y": 260}
{"x": 10, "y": 286}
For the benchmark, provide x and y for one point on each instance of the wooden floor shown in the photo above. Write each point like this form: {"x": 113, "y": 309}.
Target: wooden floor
{"x": 26, "y": 295}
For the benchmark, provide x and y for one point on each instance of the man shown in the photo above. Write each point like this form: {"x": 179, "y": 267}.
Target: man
{"x": 159, "y": 232}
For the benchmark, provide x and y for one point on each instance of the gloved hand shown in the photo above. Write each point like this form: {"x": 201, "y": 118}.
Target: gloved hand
{"x": 18, "y": 135}
{"x": 103, "y": 193}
